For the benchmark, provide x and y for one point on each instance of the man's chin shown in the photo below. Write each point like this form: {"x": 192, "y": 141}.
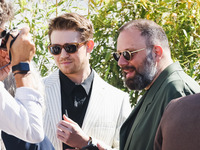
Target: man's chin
{"x": 132, "y": 84}
{"x": 65, "y": 71}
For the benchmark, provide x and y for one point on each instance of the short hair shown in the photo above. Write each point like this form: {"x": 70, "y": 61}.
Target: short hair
{"x": 72, "y": 21}
{"x": 6, "y": 12}
{"x": 152, "y": 32}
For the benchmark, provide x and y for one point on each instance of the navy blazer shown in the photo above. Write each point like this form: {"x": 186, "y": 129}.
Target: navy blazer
{"x": 12, "y": 142}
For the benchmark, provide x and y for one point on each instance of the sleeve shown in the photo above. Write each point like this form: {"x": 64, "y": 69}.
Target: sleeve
{"x": 22, "y": 116}
{"x": 123, "y": 115}
{"x": 158, "y": 139}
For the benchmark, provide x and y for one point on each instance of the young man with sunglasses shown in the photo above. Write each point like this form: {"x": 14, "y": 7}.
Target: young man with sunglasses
{"x": 92, "y": 110}
{"x": 143, "y": 54}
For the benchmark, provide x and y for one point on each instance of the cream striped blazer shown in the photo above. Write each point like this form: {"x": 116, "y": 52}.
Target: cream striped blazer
{"x": 107, "y": 109}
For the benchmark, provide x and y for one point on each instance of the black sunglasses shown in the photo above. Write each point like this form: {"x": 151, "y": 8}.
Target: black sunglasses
{"x": 126, "y": 54}
{"x": 55, "y": 49}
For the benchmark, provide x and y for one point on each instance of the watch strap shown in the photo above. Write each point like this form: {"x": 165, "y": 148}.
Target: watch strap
{"x": 90, "y": 147}
{"x": 22, "y": 66}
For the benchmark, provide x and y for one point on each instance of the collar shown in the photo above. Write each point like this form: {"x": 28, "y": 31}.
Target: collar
{"x": 165, "y": 73}
{"x": 69, "y": 85}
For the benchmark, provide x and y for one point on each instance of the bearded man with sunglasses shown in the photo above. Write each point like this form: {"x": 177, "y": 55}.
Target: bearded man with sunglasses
{"x": 144, "y": 56}
{"x": 93, "y": 111}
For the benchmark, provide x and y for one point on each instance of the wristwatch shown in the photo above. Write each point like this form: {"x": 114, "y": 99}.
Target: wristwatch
{"x": 90, "y": 146}
{"x": 22, "y": 66}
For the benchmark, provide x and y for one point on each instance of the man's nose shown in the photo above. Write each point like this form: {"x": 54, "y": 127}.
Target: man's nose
{"x": 64, "y": 53}
{"x": 122, "y": 61}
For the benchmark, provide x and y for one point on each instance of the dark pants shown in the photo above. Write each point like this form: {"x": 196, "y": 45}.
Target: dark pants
{"x": 13, "y": 143}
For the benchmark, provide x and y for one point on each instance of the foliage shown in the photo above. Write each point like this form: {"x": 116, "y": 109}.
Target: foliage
{"x": 179, "y": 18}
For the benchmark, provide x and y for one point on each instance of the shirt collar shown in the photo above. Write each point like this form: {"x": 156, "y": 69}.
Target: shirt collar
{"x": 70, "y": 85}
{"x": 87, "y": 83}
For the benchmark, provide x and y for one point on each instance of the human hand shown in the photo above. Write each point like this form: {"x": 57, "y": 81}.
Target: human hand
{"x": 71, "y": 134}
{"x": 101, "y": 146}
{"x": 4, "y": 64}
{"x": 23, "y": 49}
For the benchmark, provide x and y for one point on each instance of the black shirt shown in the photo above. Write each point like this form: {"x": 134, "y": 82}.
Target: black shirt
{"x": 75, "y": 98}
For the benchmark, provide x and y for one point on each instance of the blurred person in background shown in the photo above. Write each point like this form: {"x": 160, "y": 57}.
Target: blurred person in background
{"x": 179, "y": 127}
{"x": 21, "y": 115}
{"x": 11, "y": 142}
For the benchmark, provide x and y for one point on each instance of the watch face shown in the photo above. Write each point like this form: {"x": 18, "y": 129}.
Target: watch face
{"x": 90, "y": 147}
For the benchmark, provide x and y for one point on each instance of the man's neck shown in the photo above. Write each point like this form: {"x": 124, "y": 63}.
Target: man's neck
{"x": 79, "y": 78}
{"x": 159, "y": 72}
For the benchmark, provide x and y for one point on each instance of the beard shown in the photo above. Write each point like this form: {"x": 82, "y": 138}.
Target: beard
{"x": 144, "y": 76}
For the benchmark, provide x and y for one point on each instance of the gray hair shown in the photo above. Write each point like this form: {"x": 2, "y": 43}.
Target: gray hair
{"x": 152, "y": 32}
{"x": 9, "y": 84}
{"x": 6, "y": 12}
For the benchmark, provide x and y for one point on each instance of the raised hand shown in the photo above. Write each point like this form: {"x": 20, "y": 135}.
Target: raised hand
{"x": 23, "y": 48}
{"x": 71, "y": 134}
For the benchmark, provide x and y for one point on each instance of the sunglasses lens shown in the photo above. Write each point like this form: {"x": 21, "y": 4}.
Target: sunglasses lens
{"x": 55, "y": 50}
{"x": 70, "y": 48}
{"x": 127, "y": 55}
{"x": 116, "y": 56}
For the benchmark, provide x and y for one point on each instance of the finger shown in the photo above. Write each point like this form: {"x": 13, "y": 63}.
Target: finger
{"x": 4, "y": 57}
{"x": 25, "y": 30}
{"x": 62, "y": 139}
{"x": 7, "y": 69}
{"x": 68, "y": 119}
{"x": 66, "y": 123}
{"x": 64, "y": 127}
{"x": 60, "y": 133}
{"x": 99, "y": 146}
{"x": 7, "y": 59}
{"x": 3, "y": 53}
{"x": 62, "y": 136}
{"x": 26, "y": 36}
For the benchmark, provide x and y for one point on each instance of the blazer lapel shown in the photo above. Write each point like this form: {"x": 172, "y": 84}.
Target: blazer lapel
{"x": 53, "y": 114}
{"x": 94, "y": 103}
{"x": 134, "y": 118}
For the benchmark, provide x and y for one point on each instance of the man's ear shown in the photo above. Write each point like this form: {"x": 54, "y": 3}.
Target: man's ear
{"x": 90, "y": 46}
{"x": 158, "y": 51}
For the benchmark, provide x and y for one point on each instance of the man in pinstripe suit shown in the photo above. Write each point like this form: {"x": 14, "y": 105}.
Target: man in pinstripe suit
{"x": 93, "y": 111}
